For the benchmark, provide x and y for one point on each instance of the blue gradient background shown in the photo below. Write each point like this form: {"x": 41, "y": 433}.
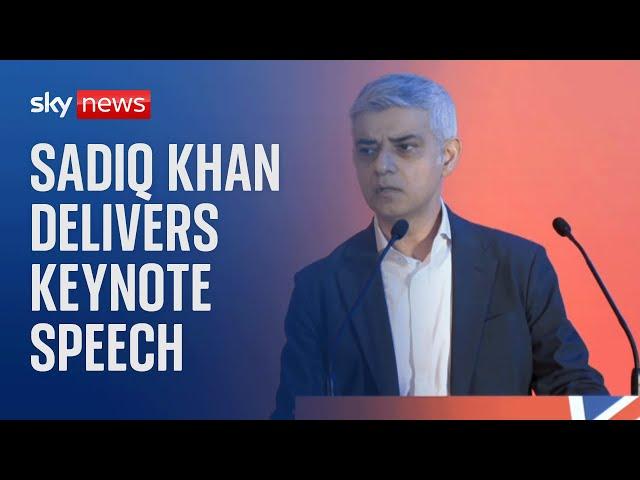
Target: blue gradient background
{"x": 231, "y": 354}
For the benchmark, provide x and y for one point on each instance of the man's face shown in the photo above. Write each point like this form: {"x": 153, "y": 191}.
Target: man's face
{"x": 399, "y": 163}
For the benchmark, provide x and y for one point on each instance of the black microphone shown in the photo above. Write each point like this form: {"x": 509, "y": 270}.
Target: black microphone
{"x": 399, "y": 230}
{"x": 563, "y": 229}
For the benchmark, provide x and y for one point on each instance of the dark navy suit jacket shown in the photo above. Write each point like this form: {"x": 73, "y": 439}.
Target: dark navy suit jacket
{"x": 510, "y": 333}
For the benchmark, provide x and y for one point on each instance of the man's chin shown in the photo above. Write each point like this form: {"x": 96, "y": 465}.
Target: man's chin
{"x": 390, "y": 213}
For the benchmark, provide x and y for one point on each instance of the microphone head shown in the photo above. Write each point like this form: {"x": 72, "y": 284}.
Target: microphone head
{"x": 400, "y": 229}
{"x": 562, "y": 227}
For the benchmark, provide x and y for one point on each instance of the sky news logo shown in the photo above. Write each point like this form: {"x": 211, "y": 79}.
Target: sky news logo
{"x": 98, "y": 104}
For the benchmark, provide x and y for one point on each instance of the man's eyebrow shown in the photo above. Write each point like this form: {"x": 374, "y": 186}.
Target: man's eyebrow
{"x": 366, "y": 141}
{"x": 405, "y": 138}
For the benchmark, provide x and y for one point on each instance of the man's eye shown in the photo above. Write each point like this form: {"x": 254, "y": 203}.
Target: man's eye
{"x": 406, "y": 147}
{"x": 368, "y": 151}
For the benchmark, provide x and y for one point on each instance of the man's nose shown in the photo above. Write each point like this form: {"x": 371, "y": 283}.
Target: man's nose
{"x": 385, "y": 163}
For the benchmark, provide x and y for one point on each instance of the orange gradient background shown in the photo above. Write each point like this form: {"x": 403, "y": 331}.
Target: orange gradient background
{"x": 553, "y": 138}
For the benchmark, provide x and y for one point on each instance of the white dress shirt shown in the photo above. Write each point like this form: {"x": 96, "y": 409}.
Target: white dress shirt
{"x": 418, "y": 296}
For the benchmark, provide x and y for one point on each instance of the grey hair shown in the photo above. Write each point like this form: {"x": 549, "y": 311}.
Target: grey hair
{"x": 410, "y": 91}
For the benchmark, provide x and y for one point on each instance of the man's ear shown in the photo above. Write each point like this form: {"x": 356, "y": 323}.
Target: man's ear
{"x": 451, "y": 152}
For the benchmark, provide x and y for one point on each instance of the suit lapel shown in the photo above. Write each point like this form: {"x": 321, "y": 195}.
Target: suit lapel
{"x": 371, "y": 322}
{"x": 473, "y": 275}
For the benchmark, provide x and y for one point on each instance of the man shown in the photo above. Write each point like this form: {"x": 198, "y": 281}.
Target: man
{"x": 455, "y": 308}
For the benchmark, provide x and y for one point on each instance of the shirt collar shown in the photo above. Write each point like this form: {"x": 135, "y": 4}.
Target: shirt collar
{"x": 444, "y": 232}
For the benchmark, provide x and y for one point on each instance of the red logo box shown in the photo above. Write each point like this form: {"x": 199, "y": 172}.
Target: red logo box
{"x": 113, "y": 104}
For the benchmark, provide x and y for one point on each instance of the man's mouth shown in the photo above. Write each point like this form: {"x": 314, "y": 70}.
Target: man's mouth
{"x": 387, "y": 189}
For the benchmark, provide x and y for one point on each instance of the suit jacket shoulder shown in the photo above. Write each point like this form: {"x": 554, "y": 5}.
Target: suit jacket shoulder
{"x": 499, "y": 242}
{"x": 361, "y": 242}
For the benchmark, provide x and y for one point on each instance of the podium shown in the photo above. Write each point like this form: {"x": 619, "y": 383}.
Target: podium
{"x": 469, "y": 408}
